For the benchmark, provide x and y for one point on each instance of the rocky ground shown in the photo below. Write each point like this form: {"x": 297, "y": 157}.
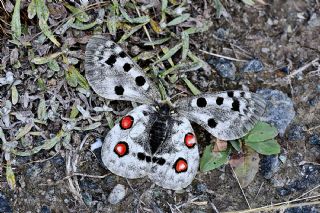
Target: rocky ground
{"x": 274, "y": 50}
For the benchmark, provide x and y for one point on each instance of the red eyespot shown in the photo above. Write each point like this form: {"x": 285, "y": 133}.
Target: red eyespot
{"x": 126, "y": 122}
{"x": 181, "y": 165}
{"x": 121, "y": 149}
{"x": 190, "y": 140}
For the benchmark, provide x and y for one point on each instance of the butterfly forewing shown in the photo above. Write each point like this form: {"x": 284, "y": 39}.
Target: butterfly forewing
{"x": 114, "y": 75}
{"x": 226, "y": 115}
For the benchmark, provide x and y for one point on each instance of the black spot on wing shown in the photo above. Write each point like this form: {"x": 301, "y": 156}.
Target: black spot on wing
{"x": 242, "y": 94}
{"x": 118, "y": 90}
{"x": 148, "y": 159}
{"x": 201, "y": 102}
{"x": 219, "y": 101}
{"x": 161, "y": 161}
{"x": 111, "y": 60}
{"x": 140, "y": 81}
{"x": 230, "y": 94}
{"x": 112, "y": 46}
{"x": 122, "y": 54}
{"x": 141, "y": 156}
{"x": 235, "y": 105}
{"x": 127, "y": 67}
{"x": 212, "y": 123}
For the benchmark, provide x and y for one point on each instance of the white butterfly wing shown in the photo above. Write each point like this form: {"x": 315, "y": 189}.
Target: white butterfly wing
{"x": 181, "y": 155}
{"x": 125, "y": 141}
{"x": 113, "y": 75}
{"x": 226, "y": 115}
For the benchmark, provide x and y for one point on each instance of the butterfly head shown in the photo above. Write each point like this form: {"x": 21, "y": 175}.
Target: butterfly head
{"x": 164, "y": 109}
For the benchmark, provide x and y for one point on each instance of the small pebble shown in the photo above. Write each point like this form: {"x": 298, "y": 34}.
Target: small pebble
{"x": 303, "y": 209}
{"x": 314, "y": 21}
{"x": 224, "y": 67}
{"x": 4, "y": 204}
{"x": 296, "y": 133}
{"x": 201, "y": 188}
{"x": 96, "y": 144}
{"x": 314, "y": 139}
{"x": 269, "y": 165}
{"x": 45, "y": 209}
{"x": 265, "y": 50}
{"x": 285, "y": 69}
{"x": 222, "y": 33}
{"x": 117, "y": 194}
{"x": 279, "y": 109}
{"x": 254, "y": 65}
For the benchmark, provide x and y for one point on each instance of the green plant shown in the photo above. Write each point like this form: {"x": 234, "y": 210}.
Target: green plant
{"x": 261, "y": 139}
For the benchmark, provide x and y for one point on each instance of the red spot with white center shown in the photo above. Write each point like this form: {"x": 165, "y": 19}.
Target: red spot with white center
{"x": 190, "y": 140}
{"x": 121, "y": 149}
{"x": 181, "y": 165}
{"x": 126, "y": 122}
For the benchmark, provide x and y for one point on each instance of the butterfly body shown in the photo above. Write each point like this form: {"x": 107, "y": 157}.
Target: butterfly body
{"x": 156, "y": 139}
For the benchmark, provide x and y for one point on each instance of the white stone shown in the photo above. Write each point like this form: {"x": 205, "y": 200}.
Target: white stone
{"x": 117, "y": 194}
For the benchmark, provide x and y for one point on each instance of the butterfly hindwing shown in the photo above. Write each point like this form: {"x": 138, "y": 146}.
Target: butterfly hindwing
{"x": 226, "y": 115}
{"x": 114, "y": 75}
{"x": 125, "y": 141}
{"x": 180, "y": 154}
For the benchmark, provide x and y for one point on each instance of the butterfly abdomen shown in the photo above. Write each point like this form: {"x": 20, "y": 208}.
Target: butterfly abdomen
{"x": 158, "y": 132}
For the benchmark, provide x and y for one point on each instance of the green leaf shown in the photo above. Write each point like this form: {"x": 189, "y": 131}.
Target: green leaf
{"x": 74, "y": 111}
{"x": 10, "y": 176}
{"x": 218, "y": 6}
{"x": 46, "y": 145}
{"x": 268, "y": 147}
{"x": 133, "y": 30}
{"x": 185, "y": 45}
{"x": 45, "y": 59}
{"x": 53, "y": 65}
{"x": 42, "y": 10}
{"x": 82, "y": 80}
{"x": 262, "y": 131}
{"x": 43, "y": 15}
{"x": 248, "y": 2}
{"x": 112, "y": 24}
{"x": 42, "y": 112}
{"x": 41, "y": 84}
{"x": 170, "y": 53}
{"x": 138, "y": 20}
{"x": 78, "y": 13}
{"x": 89, "y": 127}
{"x": 14, "y": 95}
{"x": 16, "y": 22}
{"x": 236, "y": 145}
{"x": 211, "y": 160}
{"x": 201, "y": 29}
{"x": 81, "y": 26}
{"x": 74, "y": 78}
{"x": 2, "y": 137}
{"x": 248, "y": 168}
{"x": 47, "y": 32}
{"x": 71, "y": 77}
{"x": 179, "y": 20}
{"x": 23, "y": 131}
{"x": 185, "y": 66}
{"x": 193, "y": 88}
{"x": 32, "y": 10}
{"x": 156, "y": 42}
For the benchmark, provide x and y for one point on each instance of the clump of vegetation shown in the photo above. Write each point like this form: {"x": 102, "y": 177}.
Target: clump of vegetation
{"x": 261, "y": 139}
